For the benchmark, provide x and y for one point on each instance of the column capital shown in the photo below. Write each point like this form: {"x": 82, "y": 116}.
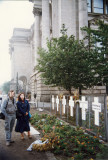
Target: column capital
{"x": 37, "y": 11}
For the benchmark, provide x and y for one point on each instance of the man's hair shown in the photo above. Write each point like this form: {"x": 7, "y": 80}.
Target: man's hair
{"x": 10, "y": 92}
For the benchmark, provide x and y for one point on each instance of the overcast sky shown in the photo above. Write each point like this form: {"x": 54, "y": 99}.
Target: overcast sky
{"x": 13, "y": 14}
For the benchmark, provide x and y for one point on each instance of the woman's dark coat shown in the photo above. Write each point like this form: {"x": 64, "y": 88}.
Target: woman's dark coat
{"x": 23, "y": 121}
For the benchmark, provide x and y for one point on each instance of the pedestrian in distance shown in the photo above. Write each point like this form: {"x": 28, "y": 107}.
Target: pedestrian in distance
{"x": 0, "y": 101}
{"x": 9, "y": 108}
{"x": 22, "y": 123}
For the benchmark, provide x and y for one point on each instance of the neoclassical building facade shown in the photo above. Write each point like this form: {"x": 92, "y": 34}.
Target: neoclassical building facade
{"x": 21, "y": 59}
{"x": 49, "y": 15}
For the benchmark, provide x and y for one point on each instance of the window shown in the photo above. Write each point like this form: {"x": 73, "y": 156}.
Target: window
{"x": 98, "y": 6}
{"x": 89, "y": 5}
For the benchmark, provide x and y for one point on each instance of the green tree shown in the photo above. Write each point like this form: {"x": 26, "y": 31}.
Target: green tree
{"x": 98, "y": 43}
{"x": 65, "y": 63}
{"x": 6, "y": 87}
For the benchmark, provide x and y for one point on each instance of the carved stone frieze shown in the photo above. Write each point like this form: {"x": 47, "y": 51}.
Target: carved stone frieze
{"x": 37, "y": 11}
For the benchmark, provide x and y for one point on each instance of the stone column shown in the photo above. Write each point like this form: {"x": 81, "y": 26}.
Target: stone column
{"x": 55, "y": 20}
{"x": 37, "y": 37}
{"x": 45, "y": 22}
{"x": 83, "y": 16}
{"x": 67, "y": 15}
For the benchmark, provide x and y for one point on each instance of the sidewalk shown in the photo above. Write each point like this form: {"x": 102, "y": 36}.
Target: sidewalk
{"x": 18, "y": 150}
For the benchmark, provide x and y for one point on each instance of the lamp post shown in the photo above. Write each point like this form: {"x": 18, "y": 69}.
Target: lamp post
{"x": 17, "y": 84}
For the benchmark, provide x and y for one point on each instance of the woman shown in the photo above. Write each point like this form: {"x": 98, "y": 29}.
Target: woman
{"x": 23, "y": 120}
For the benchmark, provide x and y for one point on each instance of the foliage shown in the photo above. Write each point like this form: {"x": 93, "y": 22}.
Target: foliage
{"x": 6, "y": 87}
{"x": 68, "y": 141}
{"x": 98, "y": 49}
{"x": 72, "y": 63}
{"x": 65, "y": 63}
{"x": 35, "y": 119}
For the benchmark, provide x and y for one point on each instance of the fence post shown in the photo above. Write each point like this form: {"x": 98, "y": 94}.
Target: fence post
{"x": 89, "y": 111}
{"x": 50, "y": 102}
{"x": 60, "y": 108}
{"x": 55, "y": 106}
{"x": 67, "y": 107}
{"x": 37, "y": 104}
{"x": 43, "y": 104}
{"x": 77, "y": 114}
{"x": 106, "y": 117}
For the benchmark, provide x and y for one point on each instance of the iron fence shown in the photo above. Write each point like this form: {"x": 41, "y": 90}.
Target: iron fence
{"x": 89, "y": 112}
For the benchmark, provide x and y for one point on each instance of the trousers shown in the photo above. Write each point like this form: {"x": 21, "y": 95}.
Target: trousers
{"x": 9, "y": 124}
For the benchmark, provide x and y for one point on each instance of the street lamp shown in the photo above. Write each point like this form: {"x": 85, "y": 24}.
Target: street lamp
{"x": 17, "y": 84}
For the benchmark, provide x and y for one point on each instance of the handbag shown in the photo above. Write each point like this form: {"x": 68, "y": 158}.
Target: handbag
{"x": 29, "y": 114}
{"x": 2, "y": 116}
{"x": 18, "y": 115}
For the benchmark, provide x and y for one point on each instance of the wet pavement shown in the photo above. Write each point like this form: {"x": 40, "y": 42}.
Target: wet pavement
{"x": 18, "y": 150}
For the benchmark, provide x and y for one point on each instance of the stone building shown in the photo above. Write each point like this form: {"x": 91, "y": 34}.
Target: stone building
{"x": 49, "y": 15}
{"x": 21, "y": 59}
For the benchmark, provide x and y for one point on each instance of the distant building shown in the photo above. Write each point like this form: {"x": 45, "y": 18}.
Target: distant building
{"x": 21, "y": 59}
{"x": 49, "y": 17}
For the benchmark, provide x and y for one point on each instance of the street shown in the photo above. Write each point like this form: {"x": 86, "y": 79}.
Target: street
{"x": 18, "y": 149}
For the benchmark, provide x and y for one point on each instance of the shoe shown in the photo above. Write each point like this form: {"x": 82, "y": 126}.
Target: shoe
{"x": 30, "y": 137}
{"x": 7, "y": 143}
{"x": 12, "y": 141}
{"x": 22, "y": 138}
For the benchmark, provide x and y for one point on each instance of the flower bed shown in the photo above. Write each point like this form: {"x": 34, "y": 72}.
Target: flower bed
{"x": 66, "y": 140}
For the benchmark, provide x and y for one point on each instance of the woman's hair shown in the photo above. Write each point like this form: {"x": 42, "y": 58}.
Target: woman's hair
{"x": 19, "y": 98}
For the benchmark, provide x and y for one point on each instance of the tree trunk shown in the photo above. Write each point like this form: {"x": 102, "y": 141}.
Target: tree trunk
{"x": 70, "y": 91}
{"x": 80, "y": 91}
{"x": 106, "y": 89}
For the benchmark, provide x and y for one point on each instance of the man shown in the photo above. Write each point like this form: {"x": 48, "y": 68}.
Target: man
{"x": 0, "y": 101}
{"x": 8, "y": 108}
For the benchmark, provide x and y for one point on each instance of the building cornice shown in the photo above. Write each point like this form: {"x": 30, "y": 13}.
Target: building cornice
{"x": 37, "y": 8}
{"x": 37, "y": 11}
